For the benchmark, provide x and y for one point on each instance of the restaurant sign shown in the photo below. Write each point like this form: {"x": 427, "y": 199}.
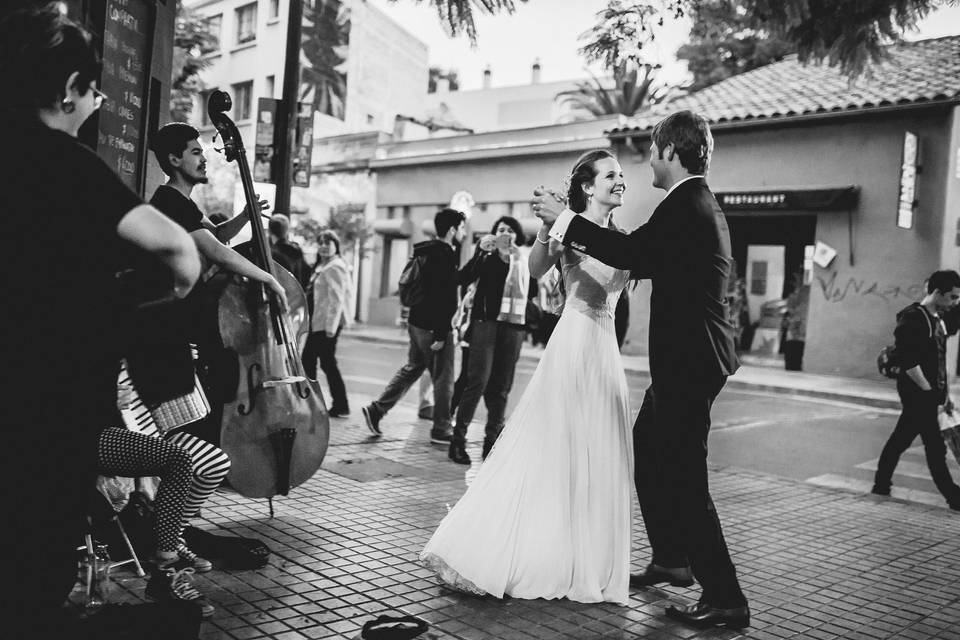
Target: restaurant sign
{"x": 828, "y": 199}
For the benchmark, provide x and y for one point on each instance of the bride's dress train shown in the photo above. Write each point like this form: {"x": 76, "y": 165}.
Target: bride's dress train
{"x": 549, "y": 512}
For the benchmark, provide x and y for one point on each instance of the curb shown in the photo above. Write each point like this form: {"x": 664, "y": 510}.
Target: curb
{"x": 732, "y": 383}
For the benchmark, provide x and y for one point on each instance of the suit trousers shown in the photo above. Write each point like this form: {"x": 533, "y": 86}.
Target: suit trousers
{"x": 670, "y": 449}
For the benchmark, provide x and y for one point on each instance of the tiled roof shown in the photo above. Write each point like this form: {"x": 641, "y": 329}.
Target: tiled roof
{"x": 915, "y": 72}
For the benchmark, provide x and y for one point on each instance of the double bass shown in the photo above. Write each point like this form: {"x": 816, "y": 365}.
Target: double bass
{"x": 276, "y": 427}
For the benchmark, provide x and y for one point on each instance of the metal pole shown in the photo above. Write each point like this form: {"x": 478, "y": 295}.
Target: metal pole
{"x": 288, "y": 106}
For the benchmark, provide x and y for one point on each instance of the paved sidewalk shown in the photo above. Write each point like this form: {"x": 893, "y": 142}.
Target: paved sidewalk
{"x": 815, "y": 562}
{"x": 873, "y": 393}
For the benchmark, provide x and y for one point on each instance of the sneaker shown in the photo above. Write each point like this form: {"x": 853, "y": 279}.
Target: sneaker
{"x": 175, "y": 582}
{"x": 425, "y": 413}
{"x": 372, "y": 420}
{"x": 339, "y": 413}
{"x": 201, "y": 565}
{"x": 439, "y": 436}
{"x": 880, "y": 491}
{"x": 458, "y": 453}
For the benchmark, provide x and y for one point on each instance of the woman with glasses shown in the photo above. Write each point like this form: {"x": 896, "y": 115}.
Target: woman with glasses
{"x": 61, "y": 362}
{"x": 330, "y": 289}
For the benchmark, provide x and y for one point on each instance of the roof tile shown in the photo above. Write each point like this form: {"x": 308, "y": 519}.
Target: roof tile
{"x": 914, "y": 72}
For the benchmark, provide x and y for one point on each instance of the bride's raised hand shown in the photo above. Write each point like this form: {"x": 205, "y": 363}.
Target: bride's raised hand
{"x": 547, "y": 205}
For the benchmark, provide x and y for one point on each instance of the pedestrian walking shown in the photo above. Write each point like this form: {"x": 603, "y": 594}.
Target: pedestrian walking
{"x": 430, "y": 327}
{"x": 330, "y": 284}
{"x": 921, "y": 338}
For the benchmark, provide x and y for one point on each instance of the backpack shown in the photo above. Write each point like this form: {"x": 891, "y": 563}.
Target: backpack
{"x": 411, "y": 282}
{"x": 888, "y": 360}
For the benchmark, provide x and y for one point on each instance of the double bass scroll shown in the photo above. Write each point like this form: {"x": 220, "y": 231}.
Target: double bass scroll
{"x": 276, "y": 429}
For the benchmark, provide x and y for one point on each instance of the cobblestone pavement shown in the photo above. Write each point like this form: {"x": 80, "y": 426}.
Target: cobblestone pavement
{"x": 815, "y": 562}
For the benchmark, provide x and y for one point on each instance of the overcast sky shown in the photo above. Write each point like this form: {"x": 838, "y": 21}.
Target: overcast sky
{"x": 549, "y": 30}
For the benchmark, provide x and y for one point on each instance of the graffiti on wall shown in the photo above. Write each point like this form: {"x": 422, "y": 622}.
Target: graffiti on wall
{"x": 835, "y": 289}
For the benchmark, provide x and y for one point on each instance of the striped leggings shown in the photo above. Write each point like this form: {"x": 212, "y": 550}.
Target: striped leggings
{"x": 207, "y": 465}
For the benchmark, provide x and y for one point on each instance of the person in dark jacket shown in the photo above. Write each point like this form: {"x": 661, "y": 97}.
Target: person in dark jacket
{"x": 430, "y": 325}
{"x": 921, "y": 338}
{"x": 288, "y": 254}
{"x": 497, "y": 331}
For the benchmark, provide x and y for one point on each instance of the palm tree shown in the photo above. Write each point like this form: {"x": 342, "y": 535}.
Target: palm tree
{"x": 633, "y": 90}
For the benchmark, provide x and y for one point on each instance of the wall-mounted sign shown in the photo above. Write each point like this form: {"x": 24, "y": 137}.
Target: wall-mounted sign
{"x": 830, "y": 199}
{"x": 303, "y": 145}
{"x": 908, "y": 182}
{"x": 265, "y": 145}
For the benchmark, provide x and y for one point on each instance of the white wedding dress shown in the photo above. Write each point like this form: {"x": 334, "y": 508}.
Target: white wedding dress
{"x": 549, "y": 512}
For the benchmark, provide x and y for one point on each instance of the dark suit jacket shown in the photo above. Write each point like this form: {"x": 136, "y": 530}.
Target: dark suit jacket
{"x": 684, "y": 249}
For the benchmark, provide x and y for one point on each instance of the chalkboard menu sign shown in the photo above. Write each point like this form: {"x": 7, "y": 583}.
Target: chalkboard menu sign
{"x": 127, "y": 45}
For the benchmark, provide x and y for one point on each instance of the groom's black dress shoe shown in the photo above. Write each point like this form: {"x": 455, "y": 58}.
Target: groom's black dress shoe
{"x": 655, "y": 575}
{"x": 704, "y": 615}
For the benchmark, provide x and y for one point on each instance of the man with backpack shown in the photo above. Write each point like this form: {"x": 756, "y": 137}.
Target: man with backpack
{"x": 920, "y": 349}
{"x": 428, "y": 286}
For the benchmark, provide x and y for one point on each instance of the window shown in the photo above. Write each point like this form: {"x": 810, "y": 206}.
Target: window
{"x": 212, "y": 26}
{"x": 242, "y": 100}
{"x": 271, "y": 86}
{"x": 247, "y": 23}
{"x": 274, "y": 9}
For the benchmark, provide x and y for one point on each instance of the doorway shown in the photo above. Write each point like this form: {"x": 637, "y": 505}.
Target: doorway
{"x": 773, "y": 257}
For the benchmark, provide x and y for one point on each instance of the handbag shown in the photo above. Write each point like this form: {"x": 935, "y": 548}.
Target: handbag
{"x": 182, "y": 410}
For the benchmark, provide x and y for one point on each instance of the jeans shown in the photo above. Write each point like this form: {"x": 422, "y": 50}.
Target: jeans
{"x": 494, "y": 350}
{"x": 321, "y": 345}
{"x": 419, "y": 359}
{"x": 919, "y": 418}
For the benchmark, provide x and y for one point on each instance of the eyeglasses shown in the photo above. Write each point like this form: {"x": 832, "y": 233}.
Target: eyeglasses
{"x": 98, "y": 97}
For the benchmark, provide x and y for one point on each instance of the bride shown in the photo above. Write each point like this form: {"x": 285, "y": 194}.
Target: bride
{"x": 549, "y": 512}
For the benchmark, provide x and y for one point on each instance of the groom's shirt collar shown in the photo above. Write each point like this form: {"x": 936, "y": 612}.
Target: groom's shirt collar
{"x": 678, "y": 183}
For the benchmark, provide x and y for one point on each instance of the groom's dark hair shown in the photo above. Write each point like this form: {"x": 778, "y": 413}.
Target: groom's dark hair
{"x": 689, "y": 133}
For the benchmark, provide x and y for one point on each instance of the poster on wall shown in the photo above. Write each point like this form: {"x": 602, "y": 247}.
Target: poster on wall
{"x": 303, "y": 145}
{"x": 265, "y": 143}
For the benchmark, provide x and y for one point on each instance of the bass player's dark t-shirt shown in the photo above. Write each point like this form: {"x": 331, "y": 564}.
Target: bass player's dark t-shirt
{"x": 178, "y": 208}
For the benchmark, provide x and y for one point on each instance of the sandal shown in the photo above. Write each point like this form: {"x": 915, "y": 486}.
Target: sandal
{"x": 393, "y": 628}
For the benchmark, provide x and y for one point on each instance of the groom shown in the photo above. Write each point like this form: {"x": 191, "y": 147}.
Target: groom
{"x": 684, "y": 249}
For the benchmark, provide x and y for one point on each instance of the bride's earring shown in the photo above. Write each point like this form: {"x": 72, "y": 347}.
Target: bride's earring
{"x": 67, "y": 105}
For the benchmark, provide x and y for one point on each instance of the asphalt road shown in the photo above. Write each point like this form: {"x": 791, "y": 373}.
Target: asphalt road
{"x": 818, "y": 441}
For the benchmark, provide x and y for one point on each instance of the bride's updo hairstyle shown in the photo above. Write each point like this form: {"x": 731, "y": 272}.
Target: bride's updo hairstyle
{"x": 584, "y": 172}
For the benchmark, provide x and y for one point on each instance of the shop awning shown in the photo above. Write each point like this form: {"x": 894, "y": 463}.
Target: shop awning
{"x": 818, "y": 199}
{"x": 394, "y": 227}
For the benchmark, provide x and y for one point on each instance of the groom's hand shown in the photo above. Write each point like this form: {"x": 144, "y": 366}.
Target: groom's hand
{"x": 547, "y": 205}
